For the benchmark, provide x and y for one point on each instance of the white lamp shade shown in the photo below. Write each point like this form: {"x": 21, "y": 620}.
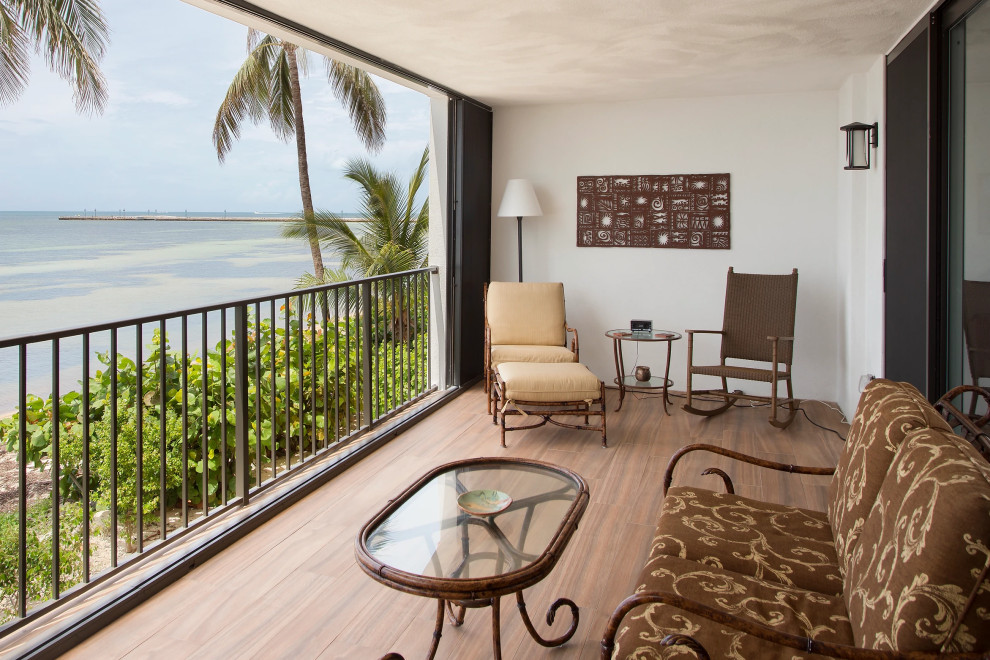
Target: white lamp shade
{"x": 519, "y": 200}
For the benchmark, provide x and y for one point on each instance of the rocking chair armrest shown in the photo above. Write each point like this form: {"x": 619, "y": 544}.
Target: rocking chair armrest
{"x": 705, "y": 332}
{"x": 749, "y": 627}
{"x": 773, "y": 338}
{"x": 668, "y": 476}
{"x": 972, "y": 429}
{"x": 574, "y": 342}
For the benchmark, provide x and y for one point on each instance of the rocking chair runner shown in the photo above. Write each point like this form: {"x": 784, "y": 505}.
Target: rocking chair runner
{"x": 758, "y": 324}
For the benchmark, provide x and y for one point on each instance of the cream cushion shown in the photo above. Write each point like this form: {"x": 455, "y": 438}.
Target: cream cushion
{"x": 526, "y": 353}
{"x": 549, "y": 383}
{"x": 527, "y": 313}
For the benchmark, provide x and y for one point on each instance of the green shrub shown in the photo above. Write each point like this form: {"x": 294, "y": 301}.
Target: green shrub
{"x": 38, "y": 547}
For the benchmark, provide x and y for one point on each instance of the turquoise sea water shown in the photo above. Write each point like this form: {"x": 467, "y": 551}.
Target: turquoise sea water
{"x": 57, "y": 274}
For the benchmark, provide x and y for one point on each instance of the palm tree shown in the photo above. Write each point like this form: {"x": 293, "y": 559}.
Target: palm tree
{"x": 72, "y": 35}
{"x": 393, "y": 237}
{"x": 267, "y": 87}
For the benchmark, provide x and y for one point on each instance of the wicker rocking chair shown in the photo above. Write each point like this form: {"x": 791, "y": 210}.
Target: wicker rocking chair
{"x": 758, "y": 324}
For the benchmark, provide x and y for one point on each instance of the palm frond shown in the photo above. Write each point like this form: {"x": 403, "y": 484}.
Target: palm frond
{"x": 281, "y": 107}
{"x": 356, "y": 90}
{"x": 72, "y": 36}
{"x": 246, "y": 98}
{"x": 15, "y": 60}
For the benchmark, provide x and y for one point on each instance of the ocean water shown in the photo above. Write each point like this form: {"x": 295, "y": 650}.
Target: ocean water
{"x": 58, "y": 274}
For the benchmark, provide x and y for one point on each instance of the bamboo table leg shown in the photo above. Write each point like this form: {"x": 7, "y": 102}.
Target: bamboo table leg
{"x": 666, "y": 379}
{"x": 620, "y": 369}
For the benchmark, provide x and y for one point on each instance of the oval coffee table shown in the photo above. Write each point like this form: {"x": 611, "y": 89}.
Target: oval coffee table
{"x": 422, "y": 543}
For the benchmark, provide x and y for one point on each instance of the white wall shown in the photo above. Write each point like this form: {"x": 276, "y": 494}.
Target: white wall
{"x": 861, "y": 246}
{"x": 782, "y": 153}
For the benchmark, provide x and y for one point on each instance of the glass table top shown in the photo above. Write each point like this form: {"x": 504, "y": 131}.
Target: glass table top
{"x": 625, "y": 334}
{"x": 425, "y": 532}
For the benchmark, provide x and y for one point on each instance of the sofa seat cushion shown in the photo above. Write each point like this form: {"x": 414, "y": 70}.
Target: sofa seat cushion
{"x": 924, "y": 551}
{"x": 772, "y": 542}
{"x": 886, "y": 413}
{"x": 524, "y": 353}
{"x": 548, "y": 383}
{"x": 786, "y": 609}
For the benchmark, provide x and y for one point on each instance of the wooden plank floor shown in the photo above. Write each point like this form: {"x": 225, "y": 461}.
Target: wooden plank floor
{"x": 293, "y": 589}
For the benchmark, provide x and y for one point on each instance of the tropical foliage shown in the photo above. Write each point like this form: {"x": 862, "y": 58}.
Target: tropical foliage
{"x": 266, "y": 87}
{"x": 313, "y": 359}
{"x": 393, "y": 237}
{"x": 72, "y": 36}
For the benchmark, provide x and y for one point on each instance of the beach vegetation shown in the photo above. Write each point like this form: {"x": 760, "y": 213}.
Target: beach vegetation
{"x": 316, "y": 358}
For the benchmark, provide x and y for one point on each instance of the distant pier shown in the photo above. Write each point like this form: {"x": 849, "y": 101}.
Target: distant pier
{"x": 198, "y": 218}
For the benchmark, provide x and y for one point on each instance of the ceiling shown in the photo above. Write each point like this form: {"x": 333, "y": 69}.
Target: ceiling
{"x": 511, "y": 52}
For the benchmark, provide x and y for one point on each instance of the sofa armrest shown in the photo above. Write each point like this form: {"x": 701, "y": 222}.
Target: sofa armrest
{"x": 746, "y": 458}
{"x": 750, "y": 627}
{"x": 574, "y": 342}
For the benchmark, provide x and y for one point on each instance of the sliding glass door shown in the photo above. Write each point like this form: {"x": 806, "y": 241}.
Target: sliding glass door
{"x": 968, "y": 245}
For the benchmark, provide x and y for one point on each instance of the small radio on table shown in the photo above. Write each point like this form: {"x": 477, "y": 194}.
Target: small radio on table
{"x": 641, "y": 329}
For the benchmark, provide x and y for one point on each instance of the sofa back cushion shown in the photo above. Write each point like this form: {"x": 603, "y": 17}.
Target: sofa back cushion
{"x": 918, "y": 577}
{"x": 526, "y": 313}
{"x": 887, "y": 411}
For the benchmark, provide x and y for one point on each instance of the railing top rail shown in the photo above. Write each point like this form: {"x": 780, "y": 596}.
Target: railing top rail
{"x": 214, "y": 307}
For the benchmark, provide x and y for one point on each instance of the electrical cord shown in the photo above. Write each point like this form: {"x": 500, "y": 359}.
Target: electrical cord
{"x": 800, "y": 407}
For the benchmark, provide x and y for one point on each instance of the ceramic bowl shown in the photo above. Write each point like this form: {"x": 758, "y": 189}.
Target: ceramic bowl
{"x": 483, "y": 502}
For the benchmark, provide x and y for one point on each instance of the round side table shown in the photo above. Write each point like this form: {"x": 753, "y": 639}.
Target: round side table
{"x": 630, "y": 382}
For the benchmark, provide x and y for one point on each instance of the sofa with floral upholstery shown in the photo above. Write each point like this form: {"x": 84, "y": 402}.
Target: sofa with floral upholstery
{"x": 897, "y": 564}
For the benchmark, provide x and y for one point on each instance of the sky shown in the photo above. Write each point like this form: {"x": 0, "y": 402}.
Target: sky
{"x": 168, "y": 67}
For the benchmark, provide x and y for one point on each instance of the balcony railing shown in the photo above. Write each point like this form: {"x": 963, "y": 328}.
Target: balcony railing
{"x": 175, "y": 417}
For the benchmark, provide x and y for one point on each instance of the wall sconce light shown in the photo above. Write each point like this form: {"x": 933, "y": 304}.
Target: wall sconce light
{"x": 859, "y": 138}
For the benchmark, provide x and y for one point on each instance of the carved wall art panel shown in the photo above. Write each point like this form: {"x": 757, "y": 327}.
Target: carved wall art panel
{"x": 669, "y": 211}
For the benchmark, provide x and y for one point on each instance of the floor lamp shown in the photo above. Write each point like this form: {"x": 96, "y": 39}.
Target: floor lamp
{"x": 519, "y": 200}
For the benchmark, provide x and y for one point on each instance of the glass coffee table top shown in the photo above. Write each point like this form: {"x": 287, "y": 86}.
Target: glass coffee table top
{"x": 425, "y": 533}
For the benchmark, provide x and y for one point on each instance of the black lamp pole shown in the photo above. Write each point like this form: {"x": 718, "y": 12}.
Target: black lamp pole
{"x": 519, "y": 233}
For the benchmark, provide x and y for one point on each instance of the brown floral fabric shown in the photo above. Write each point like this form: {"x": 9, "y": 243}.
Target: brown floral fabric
{"x": 783, "y": 544}
{"x": 797, "y": 611}
{"x": 887, "y": 411}
{"x": 924, "y": 551}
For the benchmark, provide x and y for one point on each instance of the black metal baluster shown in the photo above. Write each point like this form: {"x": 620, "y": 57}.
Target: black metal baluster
{"x": 241, "y": 413}
{"x": 363, "y": 344}
{"x": 376, "y": 361}
{"x": 55, "y": 468}
{"x": 223, "y": 406}
{"x": 85, "y": 454}
{"x": 336, "y": 365}
{"x": 288, "y": 388}
{"x": 302, "y": 375}
{"x": 312, "y": 368}
{"x": 428, "y": 284}
{"x": 162, "y": 394}
{"x": 347, "y": 357}
{"x": 139, "y": 435}
{"x": 396, "y": 330}
{"x": 414, "y": 352}
{"x": 22, "y": 481}
{"x": 326, "y": 361}
{"x": 113, "y": 447}
{"x": 185, "y": 420}
{"x": 272, "y": 411}
{"x": 204, "y": 442}
{"x": 257, "y": 387}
